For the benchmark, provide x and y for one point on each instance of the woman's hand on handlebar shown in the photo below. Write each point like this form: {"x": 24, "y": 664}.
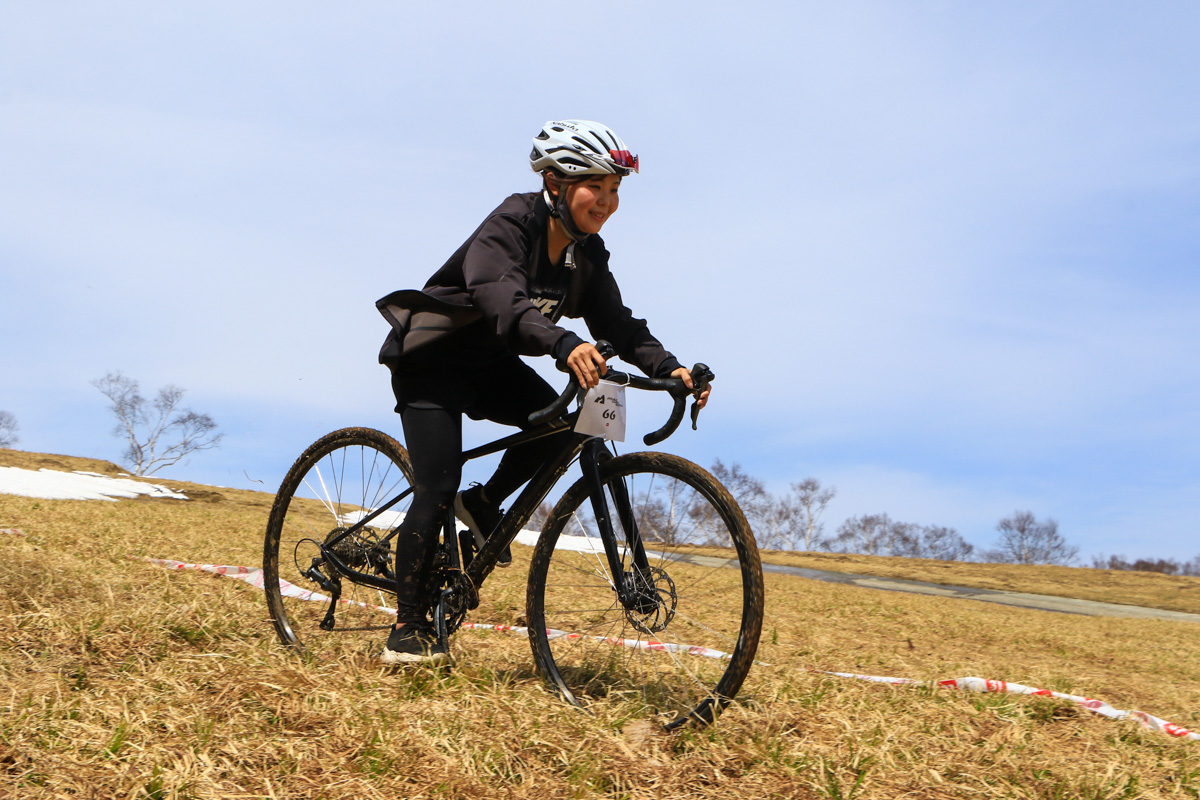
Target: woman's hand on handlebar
{"x": 685, "y": 374}
{"x": 588, "y": 366}
{"x": 586, "y": 363}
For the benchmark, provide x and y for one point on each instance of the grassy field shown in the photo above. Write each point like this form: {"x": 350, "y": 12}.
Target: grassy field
{"x": 119, "y": 679}
{"x": 1150, "y": 589}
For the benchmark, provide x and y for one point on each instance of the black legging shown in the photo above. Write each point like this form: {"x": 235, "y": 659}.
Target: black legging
{"x": 431, "y": 406}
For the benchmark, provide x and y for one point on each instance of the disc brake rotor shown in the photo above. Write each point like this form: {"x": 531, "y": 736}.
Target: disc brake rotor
{"x": 656, "y": 600}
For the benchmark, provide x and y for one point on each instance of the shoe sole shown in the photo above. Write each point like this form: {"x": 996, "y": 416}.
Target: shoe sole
{"x": 392, "y": 658}
{"x": 465, "y": 517}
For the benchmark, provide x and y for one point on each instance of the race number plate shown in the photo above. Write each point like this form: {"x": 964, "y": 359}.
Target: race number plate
{"x": 603, "y": 412}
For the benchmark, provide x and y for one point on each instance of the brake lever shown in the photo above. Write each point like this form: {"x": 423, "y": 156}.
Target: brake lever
{"x": 702, "y": 376}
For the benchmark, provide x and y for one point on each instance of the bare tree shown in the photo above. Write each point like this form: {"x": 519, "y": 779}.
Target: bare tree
{"x": 8, "y": 429}
{"x": 159, "y": 433}
{"x": 776, "y": 521}
{"x": 539, "y": 517}
{"x": 879, "y": 535}
{"x": 874, "y": 534}
{"x": 810, "y": 499}
{"x": 746, "y": 489}
{"x": 1024, "y": 540}
{"x": 756, "y": 503}
{"x": 943, "y": 544}
{"x": 788, "y": 522}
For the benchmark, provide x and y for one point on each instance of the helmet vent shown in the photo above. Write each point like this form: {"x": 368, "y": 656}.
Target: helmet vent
{"x": 587, "y": 144}
{"x": 574, "y": 162}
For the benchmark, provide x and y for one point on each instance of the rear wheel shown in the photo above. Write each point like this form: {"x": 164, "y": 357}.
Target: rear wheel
{"x": 681, "y": 645}
{"x": 339, "y": 479}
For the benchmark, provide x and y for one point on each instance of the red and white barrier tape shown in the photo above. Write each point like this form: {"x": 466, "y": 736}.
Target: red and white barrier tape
{"x": 254, "y": 577}
{"x": 13, "y": 531}
{"x": 1003, "y": 687}
{"x": 1000, "y": 686}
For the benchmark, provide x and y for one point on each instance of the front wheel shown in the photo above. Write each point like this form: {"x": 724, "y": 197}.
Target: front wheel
{"x": 339, "y": 479}
{"x": 681, "y": 644}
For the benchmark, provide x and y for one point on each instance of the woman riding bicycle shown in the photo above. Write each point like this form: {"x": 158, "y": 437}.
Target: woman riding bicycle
{"x": 454, "y": 348}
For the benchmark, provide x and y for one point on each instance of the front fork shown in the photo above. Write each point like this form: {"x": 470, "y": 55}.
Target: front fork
{"x": 627, "y": 586}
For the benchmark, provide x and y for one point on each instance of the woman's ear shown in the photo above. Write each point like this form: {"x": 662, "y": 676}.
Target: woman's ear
{"x": 553, "y": 184}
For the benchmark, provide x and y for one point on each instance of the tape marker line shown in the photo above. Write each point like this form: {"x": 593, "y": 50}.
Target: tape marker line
{"x": 1003, "y": 687}
{"x": 254, "y": 577}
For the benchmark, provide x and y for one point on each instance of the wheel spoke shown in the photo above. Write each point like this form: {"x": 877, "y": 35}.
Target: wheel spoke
{"x": 335, "y": 483}
{"x": 687, "y": 637}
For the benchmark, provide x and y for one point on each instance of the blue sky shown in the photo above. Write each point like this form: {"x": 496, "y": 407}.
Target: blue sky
{"x": 941, "y": 256}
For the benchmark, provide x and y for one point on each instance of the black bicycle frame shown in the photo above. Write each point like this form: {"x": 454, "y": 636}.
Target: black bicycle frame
{"x": 591, "y": 452}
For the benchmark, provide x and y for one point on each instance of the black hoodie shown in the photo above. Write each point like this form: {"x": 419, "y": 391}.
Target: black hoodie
{"x": 498, "y": 292}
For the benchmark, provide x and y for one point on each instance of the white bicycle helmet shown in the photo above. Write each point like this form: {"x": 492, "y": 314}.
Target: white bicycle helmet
{"x": 574, "y": 148}
{"x": 581, "y": 147}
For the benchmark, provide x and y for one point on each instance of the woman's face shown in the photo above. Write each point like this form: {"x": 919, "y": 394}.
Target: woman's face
{"x": 593, "y": 200}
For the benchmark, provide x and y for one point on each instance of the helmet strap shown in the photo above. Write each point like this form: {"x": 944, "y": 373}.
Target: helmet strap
{"x": 562, "y": 212}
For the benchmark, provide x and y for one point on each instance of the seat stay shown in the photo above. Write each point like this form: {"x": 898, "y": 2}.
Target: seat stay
{"x": 369, "y": 518}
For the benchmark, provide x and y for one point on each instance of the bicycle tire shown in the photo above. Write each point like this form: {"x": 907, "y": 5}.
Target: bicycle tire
{"x": 686, "y": 659}
{"x": 341, "y": 476}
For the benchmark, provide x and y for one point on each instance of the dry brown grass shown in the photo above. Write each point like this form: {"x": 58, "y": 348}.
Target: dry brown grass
{"x": 123, "y": 680}
{"x": 1150, "y": 589}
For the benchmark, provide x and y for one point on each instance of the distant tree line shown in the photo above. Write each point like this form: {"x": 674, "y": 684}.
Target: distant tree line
{"x": 793, "y": 521}
{"x": 158, "y": 434}
{"x": 1166, "y": 566}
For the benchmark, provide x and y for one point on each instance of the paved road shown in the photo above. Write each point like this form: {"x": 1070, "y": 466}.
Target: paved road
{"x": 1042, "y": 602}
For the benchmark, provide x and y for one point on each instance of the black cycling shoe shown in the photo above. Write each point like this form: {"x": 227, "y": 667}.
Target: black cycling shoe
{"x": 481, "y": 517}
{"x": 415, "y": 643}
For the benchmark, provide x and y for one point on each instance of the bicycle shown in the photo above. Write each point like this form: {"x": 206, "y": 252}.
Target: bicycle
{"x": 645, "y": 581}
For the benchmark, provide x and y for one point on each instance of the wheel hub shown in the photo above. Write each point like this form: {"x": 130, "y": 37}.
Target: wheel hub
{"x": 654, "y": 599}
{"x": 359, "y": 550}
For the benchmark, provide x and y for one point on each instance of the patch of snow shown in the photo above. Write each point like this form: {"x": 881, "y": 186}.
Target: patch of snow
{"x": 385, "y": 521}
{"x": 392, "y": 519}
{"x": 49, "y": 484}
